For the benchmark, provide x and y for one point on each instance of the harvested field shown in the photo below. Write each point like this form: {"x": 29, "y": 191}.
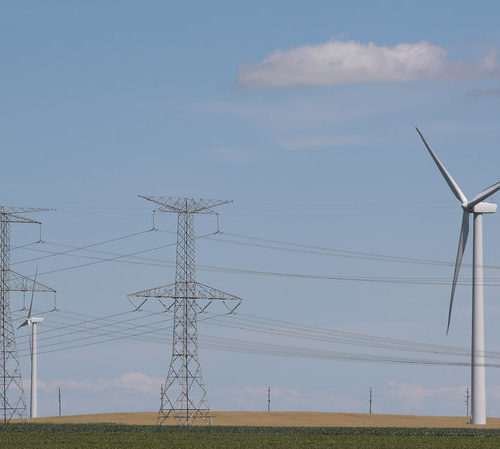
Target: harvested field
{"x": 285, "y": 419}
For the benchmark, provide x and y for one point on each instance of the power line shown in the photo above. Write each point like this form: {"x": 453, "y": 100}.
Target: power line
{"x": 492, "y": 282}
{"x": 334, "y": 252}
{"x": 91, "y": 245}
{"x": 315, "y": 250}
{"x": 246, "y": 346}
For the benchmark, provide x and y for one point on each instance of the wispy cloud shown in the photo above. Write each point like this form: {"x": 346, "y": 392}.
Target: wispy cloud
{"x": 131, "y": 382}
{"x": 417, "y": 395}
{"x": 483, "y": 93}
{"x": 255, "y": 398}
{"x": 343, "y": 62}
{"x": 325, "y": 141}
{"x": 234, "y": 155}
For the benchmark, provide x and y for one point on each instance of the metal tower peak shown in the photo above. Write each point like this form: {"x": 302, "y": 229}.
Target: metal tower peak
{"x": 185, "y": 205}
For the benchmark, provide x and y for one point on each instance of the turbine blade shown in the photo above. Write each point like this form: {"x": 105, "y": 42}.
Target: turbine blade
{"x": 484, "y": 194}
{"x": 451, "y": 182}
{"x": 33, "y": 293}
{"x": 464, "y": 232}
{"x": 23, "y": 324}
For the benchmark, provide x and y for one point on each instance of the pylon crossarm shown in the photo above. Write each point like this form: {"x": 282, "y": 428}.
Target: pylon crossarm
{"x": 23, "y": 210}
{"x": 12, "y": 214}
{"x": 12, "y": 218}
{"x": 138, "y": 299}
{"x": 210, "y": 293}
{"x": 175, "y": 291}
{"x": 20, "y": 283}
{"x": 204, "y": 292}
{"x": 164, "y": 291}
{"x": 185, "y": 205}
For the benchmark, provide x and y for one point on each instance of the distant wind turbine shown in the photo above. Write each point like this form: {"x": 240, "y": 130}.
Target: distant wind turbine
{"x": 32, "y": 323}
{"x": 477, "y": 207}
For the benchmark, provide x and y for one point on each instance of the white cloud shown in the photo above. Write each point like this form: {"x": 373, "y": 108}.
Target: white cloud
{"x": 131, "y": 382}
{"x": 343, "y": 62}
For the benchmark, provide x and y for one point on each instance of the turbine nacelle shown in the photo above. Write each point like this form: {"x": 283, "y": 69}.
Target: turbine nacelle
{"x": 479, "y": 208}
{"x": 32, "y": 320}
{"x": 484, "y": 208}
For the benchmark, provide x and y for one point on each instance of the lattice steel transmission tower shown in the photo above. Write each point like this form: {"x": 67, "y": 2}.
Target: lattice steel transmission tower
{"x": 12, "y": 403}
{"x": 184, "y": 396}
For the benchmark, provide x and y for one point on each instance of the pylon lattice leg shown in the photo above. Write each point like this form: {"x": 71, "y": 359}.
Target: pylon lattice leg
{"x": 12, "y": 403}
{"x": 184, "y": 396}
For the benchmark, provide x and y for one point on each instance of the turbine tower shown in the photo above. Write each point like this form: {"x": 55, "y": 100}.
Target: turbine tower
{"x": 12, "y": 403}
{"x": 32, "y": 323}
{"x": 184, "y": 396}
{"x": 478, "y": 208}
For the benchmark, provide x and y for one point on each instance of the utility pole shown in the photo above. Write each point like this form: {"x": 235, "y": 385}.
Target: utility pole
{"x": 467, "y": 402}
{"x": 268, "y": 399}
{"x": 371, "y": 399}
{"x": 12, "y": 402}
{"x": 184, "y": 395}
{"x": 59, "y": 401}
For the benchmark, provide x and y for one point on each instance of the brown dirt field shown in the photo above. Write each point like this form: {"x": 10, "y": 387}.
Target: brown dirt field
{"x": 281, "y": 419}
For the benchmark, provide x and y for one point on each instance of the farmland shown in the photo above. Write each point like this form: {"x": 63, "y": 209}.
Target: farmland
{"x": 111, "y": 436}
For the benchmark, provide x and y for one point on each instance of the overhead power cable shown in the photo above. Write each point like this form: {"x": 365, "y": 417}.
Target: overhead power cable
{"x": 280, "y": 328}
{"x": 132, "y": 335}
{"x": 115, "y": 258}
{"x": 492, "y": 282}
{"x": 136, "y": 259}
{"x": 80, "y": 248}
{"x": 325, "y": 251}
{"x": 311, "y": 353}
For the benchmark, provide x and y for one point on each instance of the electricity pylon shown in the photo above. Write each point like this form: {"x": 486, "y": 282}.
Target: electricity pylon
{"x": 12, "y": 403}
{"x": 184, "y": 396}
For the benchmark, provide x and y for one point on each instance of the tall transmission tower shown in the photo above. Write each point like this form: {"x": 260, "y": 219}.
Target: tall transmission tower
{"x": 184, "y": 395}
{"x": 12, "y": 403}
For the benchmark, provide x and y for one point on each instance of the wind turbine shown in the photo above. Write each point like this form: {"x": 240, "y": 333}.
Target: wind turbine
{"x": 477, "y": 207}
{"x": 32, "y": 323}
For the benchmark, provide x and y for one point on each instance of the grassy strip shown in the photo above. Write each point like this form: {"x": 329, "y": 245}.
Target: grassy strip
{"x": 215, "y": 430}
{"x": 127, "y": 440}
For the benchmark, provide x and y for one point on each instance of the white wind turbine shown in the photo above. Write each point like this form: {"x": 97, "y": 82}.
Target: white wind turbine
{"x": 477, "y": 207}
{"x": 32, "y": 323}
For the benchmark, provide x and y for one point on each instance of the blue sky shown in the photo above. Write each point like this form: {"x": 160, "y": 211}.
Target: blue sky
{"x": 304, "y": 115}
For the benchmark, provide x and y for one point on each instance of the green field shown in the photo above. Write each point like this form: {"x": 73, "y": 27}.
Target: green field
{"x": 64, "y": 436}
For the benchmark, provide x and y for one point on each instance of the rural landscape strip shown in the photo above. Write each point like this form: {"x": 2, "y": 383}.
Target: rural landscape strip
{"x": 119, "y": 428}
